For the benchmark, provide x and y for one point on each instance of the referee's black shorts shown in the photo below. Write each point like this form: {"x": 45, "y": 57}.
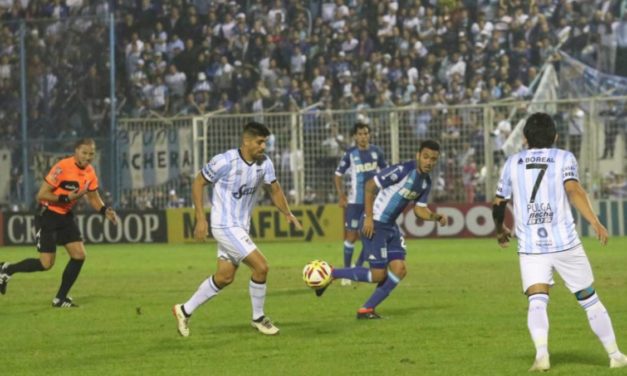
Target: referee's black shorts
{"x": 55, "y": 229}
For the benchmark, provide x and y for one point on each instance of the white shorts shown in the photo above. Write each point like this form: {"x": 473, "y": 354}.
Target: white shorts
{"x": 234, "y": 244}
{"x": 572, "y": 265}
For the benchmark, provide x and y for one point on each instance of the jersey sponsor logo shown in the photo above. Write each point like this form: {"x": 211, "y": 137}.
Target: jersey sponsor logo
{"x": 69, "y": 185}
{"x": 408, "y": 194}
{"x": 539, "y": 213}
{"x": 539, "y": 160}
{"x": 244, "y": 191}
{"x": 365, "y": 167}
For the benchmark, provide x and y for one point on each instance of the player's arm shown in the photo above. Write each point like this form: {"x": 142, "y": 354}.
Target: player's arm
{"x": 498, "y": 215}
{"x": 96, "y": 202}
{"x": 424, "y": 213}
{"x": 198, "y": 198}
{"x": 339, "y": 188}
{"x": 280, "y": 201}
{"x": 370, "y": 192}
{"x": 579, "y": 199}
{"x": 46, "y": 193}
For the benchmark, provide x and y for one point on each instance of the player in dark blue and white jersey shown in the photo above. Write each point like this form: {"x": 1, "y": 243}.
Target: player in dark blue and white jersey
{"x": 386, "y": 196}
{"x": 236, "y": 176}
{"x": 540, "y": 181}
{"x": 361, "y": 163}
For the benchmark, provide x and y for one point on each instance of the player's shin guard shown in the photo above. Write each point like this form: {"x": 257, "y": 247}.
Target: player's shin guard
{"x": 600, "y": 323}
{"x": 358, "y": 273}
{"x": 207, "y": 290}
{"x": 348, "y": 253}
{"x": 70, "y": 274}
{"x": 257, "y": 293}
{"x": 538, "y": 323}
{"x": 383, "y": 290}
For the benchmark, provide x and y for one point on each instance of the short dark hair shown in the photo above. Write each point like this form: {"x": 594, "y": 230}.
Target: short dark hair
{"x": 429, "y": 144}
{"x": 84, "y": 141}
{"x": 540, "y": 130}
{"x": 359, "y": 125}
{"x": 255, "y": 129}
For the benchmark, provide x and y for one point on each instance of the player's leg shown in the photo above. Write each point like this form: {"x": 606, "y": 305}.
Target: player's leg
{"x": 574, "y": 267}
{"x": 76, "y": 251}
{"x": 46, "y": 242}
{"x": 257, "y": 290}
{"x": 360, "y": 273}
{"x": 537, "y": 277}
{"x": 210, "y": 287}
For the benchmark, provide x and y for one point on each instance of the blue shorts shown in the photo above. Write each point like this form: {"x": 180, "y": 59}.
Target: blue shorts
{"x": 352, "y": 215}
{"x": 387, "y": 244}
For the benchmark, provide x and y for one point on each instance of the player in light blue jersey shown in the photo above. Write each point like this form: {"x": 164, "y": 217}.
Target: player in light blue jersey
{"x": 386, "y": 196}
{"x": 361, "y": 162}
{"x": 236, "y": 176}
{"x": 540, "y": 181}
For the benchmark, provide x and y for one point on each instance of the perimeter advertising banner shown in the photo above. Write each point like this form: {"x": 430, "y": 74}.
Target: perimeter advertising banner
{"x": 320, "y": 222}
{"x": 133, "y": 227}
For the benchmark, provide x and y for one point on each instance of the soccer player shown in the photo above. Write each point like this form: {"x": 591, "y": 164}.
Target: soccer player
{"x": 236, "y": 176}
{"x": 386, "y": 196}
{"x": 68, "y": 180}
{"x": 362, "y": 162}
{"x": 540, "y": 181}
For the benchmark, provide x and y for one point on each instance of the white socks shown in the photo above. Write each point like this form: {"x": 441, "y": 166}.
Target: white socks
{"x": 601, "y": 324}
{"x": 538, "y": 323}
{"x": 257, "y": 293}
{"x": 206, "y": 291}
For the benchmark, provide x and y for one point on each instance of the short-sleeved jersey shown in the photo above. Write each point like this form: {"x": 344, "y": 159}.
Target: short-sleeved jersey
{"x": 399, "y": 184}
{"x": 535, "y": 180}
{"x": 362, "y": 165}
{"x": 66, "y": 176}
{"x": 235, "y": 185}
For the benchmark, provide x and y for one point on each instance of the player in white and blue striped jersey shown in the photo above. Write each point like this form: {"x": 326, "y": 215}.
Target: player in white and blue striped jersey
{"x": 540, "y": 181}
{"x": 361, "y": 162}
{"x": 386, "y": 196}
{"x": 236, "y": 176}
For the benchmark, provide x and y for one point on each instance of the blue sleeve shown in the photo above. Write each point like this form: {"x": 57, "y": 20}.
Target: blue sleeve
{"x": 424, "y": 197}
{"x": 216, "y": 169}
{"x": 345, "y": 163}
{"x": 391, "y": 175}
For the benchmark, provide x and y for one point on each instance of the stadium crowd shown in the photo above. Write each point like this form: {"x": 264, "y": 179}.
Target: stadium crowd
{"x": 177, "y": 57}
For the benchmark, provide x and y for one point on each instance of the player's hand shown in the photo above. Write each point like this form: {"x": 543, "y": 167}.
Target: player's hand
{"x": 368, "y": 227}
{"x": 343, "y": 201}
{"x": 201, "y": 229}
{"x": 78, "y": 193}
{"x": 503, "y": 237}
{"x": 111, "y": 215}
{"x": 293, "y": 220}
{"x": 601, "y": 232}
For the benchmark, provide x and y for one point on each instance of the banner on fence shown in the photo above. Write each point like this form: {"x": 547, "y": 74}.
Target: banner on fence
{"x": 133, "y": 227}
{"x": 320, "y": 222}
{"x": 151, "y": 157}
{"x": 578, "y": 80}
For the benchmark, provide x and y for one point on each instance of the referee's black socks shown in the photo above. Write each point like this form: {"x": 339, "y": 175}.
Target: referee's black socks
{"x": 25, "y": 266}
{"x": 70, "y": 274}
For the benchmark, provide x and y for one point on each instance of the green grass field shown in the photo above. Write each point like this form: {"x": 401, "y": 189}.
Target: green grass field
{"x": 460, "y": 311}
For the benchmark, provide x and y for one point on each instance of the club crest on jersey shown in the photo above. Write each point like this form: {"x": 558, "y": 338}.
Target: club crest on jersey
{"x": 244, "y": 191}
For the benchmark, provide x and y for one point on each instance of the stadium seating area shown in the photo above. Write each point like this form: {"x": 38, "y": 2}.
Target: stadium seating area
{"x": 258, "y": 55}
{"x": 182, "y": 58}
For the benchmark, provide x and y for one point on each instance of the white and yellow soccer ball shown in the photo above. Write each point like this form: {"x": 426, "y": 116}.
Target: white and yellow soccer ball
{"x": 317, "y": 274}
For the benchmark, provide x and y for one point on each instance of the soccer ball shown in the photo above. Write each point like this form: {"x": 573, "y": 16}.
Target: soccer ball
{"x": 317, "y": 274}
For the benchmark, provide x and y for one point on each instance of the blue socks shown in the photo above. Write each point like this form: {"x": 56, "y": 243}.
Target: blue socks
{"x": 383, "y": 290}
{"x": 358, "y": 273}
